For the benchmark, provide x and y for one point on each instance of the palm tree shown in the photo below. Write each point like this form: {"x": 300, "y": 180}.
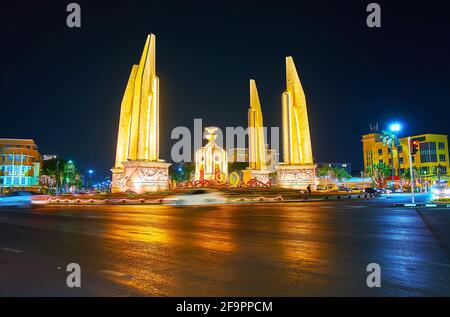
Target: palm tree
{"x": 407, "y": 173}
{"x": 390, "y": 139}
{"x": 379, "y": 172}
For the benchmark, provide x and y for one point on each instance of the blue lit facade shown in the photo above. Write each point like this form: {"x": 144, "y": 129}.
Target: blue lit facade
{"x": 20, "y": 163}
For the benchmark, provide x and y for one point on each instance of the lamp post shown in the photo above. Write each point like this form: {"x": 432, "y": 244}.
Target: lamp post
{"x": 411, "y": 171}
{"x": 90, "y": 172}
{"x": 395, "y": 128}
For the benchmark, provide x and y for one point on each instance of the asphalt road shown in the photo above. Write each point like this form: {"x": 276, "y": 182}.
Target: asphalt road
{"x": 290, "y": 249}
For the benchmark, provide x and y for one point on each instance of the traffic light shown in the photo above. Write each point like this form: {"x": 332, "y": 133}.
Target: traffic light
{"x": 414, "y": 147}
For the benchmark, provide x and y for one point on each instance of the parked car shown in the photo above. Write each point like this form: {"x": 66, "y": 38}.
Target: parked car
{"x": 23, "y": 199}
{"x": 371, "y": 190}
{"x": 196, "y": 198}
{"x": 356, "y": 190}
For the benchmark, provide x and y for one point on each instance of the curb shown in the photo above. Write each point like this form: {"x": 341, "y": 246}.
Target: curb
{"x": 422, "y": 205}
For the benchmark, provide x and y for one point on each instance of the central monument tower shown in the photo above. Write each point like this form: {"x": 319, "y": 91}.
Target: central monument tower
{"x": 138, "y": 167}
{"x": 298, "y": 169}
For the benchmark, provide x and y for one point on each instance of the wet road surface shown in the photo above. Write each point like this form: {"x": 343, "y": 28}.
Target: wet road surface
{"x": 290, "y": 249}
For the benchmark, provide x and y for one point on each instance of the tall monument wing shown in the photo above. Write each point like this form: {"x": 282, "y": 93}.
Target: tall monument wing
{"x": 123, "y": 137}
{"x": 298, "y": 169}
{"x": 296, "y": 133}
{"x": 138, "y": 167}
{"x": 257, "y": 144}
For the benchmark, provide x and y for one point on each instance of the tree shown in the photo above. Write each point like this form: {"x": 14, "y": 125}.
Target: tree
{"x": 325, "y": 171}
{"x": 237, "y": 166}
{"x": 337, "y": 173}
{"x": 182, "y": 172}
{"x": 54, "y": 168}
{"x": 341, "y": 174}
{"x": 390, "y": 139}
{"x": 379, "y": 173}
{"x": 407, "y": 173}
{"x": 72, "y": 177}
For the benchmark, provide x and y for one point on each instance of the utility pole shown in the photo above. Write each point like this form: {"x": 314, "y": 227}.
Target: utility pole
{"x": 411, "y": 172}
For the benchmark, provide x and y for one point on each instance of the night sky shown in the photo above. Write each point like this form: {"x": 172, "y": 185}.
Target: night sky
{"x": 63, "y": 87}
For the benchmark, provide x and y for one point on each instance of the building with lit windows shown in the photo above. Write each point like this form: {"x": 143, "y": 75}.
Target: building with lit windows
{"x": 431, "y": 159}
{"x": 20, "y": 163}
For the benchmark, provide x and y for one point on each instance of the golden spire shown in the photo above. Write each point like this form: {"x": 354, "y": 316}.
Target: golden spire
{"x": 257, "y": 145}
{"x": 296, "y": 135}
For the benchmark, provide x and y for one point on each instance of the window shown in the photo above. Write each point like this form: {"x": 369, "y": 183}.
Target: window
{"x": 389, "y": 150}
{"x": 400, "y": 149}
{"x": 424, "y": 170}
{"x": 441, "y": 157}
{"x": 390, "y": 161}
{"x": 413, "y": 158}
{"x": 441, "y": 146}
{"x": 439, "y": 170}
{"x": 400, "y": 159}
{"x": 380, "y": 162}
{"x": 380, "y": 152}
{"x": 22, "y": 180}
{"x": 402, "y": 171}
{"x": 428, "y": 152}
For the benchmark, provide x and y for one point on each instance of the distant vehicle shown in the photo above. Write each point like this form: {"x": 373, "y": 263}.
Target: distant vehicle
{"x": 440, "y": 192}
{"x": 371, "y": 190}
{"x": 23, "y": 199}
{"x": 356, "y": 190}
{"x": 345, "y": 189}
{"x": 196, "y": 198}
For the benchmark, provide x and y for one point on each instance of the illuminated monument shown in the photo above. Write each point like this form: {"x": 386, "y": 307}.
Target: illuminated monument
{"x": 211, "y": 163}
{"x": 138, "y": 167}
{"x": 257, "y": 146}
{"x": 298, "y": 169}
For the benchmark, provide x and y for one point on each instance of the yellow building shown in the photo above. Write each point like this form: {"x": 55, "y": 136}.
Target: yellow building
{"x": 431, "y": 159}
{"x": 20, "y": 163}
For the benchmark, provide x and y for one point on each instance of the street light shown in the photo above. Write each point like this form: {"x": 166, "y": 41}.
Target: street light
{"x": 90, "y": 172}
{"x": 395, "y": 127}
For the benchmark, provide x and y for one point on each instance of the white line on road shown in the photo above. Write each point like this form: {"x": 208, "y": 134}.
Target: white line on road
{"x": 342, "y": 207}
{"x": 11, "y": 250}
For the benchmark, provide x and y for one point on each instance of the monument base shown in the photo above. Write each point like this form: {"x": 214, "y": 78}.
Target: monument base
{"x": 296, "y": 176}
{"x": 259, "y": 175}
{"x": 140, "y": 177}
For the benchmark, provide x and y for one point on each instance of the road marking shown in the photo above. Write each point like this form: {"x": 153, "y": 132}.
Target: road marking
{"x": 439, "y": 264}
{"x": 12, "y": 250}
{"x": 117, "y": 274}
{"x": 342, "y": 207}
